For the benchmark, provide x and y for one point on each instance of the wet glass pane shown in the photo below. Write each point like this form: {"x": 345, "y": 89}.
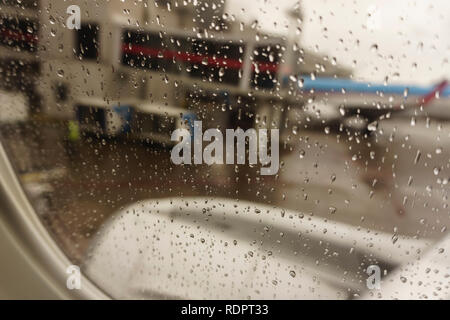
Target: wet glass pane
{"x": 233, "y": 150}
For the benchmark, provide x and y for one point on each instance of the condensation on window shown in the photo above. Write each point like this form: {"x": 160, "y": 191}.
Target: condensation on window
{"x": 194, "y": 149}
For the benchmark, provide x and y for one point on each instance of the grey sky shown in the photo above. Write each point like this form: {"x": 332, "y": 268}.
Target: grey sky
{"x": 411, "y": 36}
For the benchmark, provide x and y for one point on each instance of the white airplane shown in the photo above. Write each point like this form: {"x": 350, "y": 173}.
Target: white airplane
{"x": 342, "y": 99}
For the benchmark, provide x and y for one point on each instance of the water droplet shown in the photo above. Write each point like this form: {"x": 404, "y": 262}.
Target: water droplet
{"x": 372, "y": 126}
{"x": 417, "y": 158}
{"x": 394, "y": 238}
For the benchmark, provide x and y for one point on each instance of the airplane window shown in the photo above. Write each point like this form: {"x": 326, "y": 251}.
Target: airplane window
{"x": 234, "y": 150}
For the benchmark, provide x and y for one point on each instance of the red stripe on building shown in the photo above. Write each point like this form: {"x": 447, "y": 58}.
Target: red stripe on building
{"x": 19, "y": 36}
{"x": 194, "y": 58}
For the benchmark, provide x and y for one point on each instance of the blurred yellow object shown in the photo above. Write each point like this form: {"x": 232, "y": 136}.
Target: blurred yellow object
{"x": 74, "y": 131}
